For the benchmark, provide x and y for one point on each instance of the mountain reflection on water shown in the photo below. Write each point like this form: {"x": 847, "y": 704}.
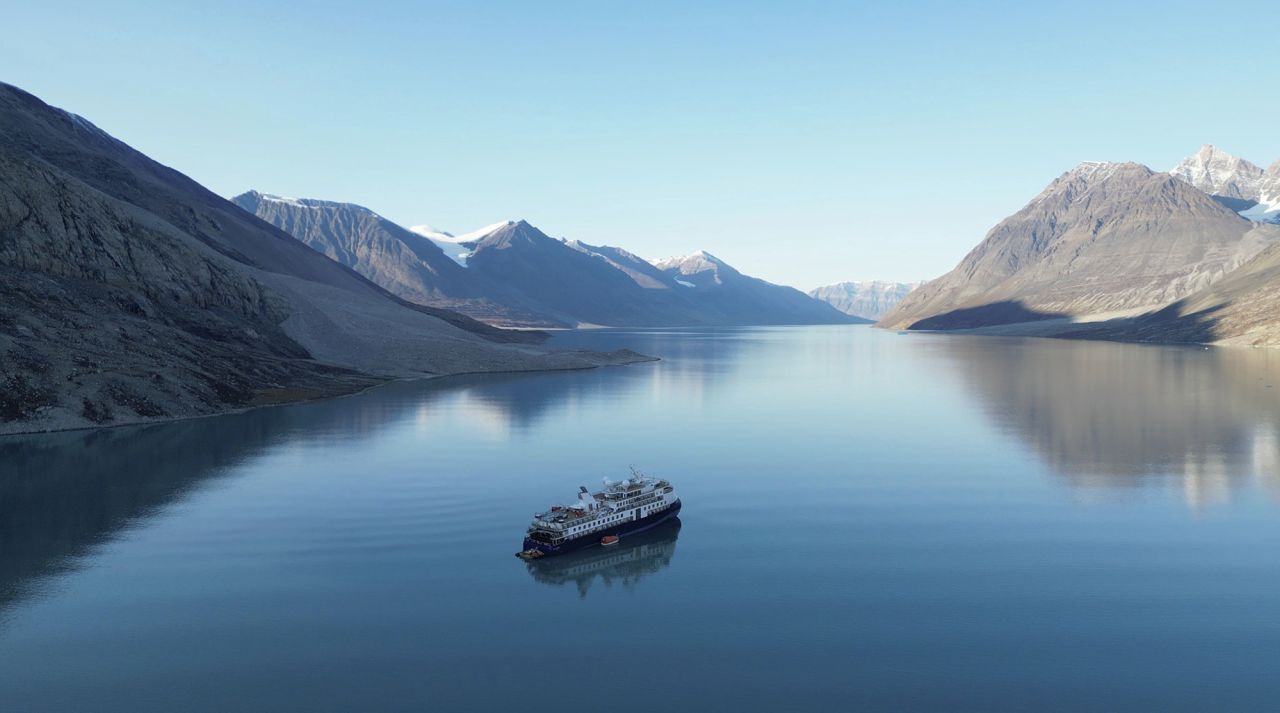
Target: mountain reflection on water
{"x": 624, "y": 564}
{"x": 1123, "y": 416}
{"x": 356, "y": 553}
{"x": 63, "y": 494}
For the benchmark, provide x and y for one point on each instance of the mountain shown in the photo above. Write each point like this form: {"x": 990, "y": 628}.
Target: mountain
{"x": 742, "y": 299}
{"x": 128, "y": 292}
{"x": 869, "y": 300}
{"x": 405, "y": 263}
{"x": 512, "y": 273}
{"x": 1234, "y": 182}
{"x": 1103, "y": 237}
{"x": 1216, "y": 172}
{"x": 572, "y": 286}
{"x": 359, "y": 238}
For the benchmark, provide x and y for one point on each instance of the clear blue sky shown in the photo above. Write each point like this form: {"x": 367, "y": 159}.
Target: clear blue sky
{"x": 806, "y": 143}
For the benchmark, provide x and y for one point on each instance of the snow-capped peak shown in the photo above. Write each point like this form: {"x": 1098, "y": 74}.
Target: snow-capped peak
{"x": 701, "y": 268}
{"x": 702, "y": 259}
{"x": 311, "y": 203}
{"x": 1092, "y": 171}
{"x": 1082, "y": 179}
{"x": 1219, "y": 173}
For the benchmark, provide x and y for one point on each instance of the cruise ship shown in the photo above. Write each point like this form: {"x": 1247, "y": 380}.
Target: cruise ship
{"x": 626, "y": 565}
{"x": 601, "y": 518}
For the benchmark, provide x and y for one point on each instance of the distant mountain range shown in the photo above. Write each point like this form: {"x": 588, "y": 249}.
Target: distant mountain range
{"x": 129, "y": 292}
{"x": 1182, "y": 256}
{"x": 513, "y": 274}
{"x": 868, "y": 300}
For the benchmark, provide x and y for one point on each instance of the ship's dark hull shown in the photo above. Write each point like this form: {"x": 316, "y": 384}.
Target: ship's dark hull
{"x": 621, "y": 530}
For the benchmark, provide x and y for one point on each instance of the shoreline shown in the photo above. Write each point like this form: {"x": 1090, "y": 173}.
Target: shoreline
{"x": 637, "y": 358}
{"x": 1113, "y": 331}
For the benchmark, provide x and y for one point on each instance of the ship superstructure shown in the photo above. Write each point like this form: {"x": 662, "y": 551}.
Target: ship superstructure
{"x": 616, "y": 511}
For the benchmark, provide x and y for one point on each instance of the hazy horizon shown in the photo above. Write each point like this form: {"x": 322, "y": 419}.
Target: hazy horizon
{"x": 805, "y": 145}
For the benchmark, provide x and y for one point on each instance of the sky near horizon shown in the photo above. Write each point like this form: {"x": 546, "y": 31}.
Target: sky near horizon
{"x": 805, "y": 143}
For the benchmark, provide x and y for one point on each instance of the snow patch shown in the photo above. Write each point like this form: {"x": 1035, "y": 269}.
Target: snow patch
{"x": 1267, "y": 209}
{"x": 483, "y": 232}
{"x": 431, "y": 233}
{"x": 454, "y": 251}
{"x": 1095, "y": 170}
{"x": 457, "y": 247}
{"x": 701, "y": 259}
{"x": 282, "y": 199}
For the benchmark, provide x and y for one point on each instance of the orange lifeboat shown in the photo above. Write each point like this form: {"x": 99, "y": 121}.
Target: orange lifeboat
{"x": 609, "y": 540}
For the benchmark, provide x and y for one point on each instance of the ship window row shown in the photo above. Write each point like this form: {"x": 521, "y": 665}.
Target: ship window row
{"x": 605, "y": 521}
{"x": 611, "y": 519}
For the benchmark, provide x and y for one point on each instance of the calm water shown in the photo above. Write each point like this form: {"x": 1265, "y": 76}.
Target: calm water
{"x": 871, "y": 521}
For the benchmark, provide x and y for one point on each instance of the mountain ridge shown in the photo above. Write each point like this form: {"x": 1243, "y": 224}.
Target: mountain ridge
{"x": 403, "y": 262}
{"x": 1101, "y": 237}
{"x": 131, "y": 293}
{"x": 868, "y": 299}
{"x": 550, "y": 282}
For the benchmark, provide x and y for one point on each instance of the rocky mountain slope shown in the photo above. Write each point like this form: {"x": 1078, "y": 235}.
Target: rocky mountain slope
{"x": 572, "y": 286}
{"x": 512, "y": 273}
{"x": 128, "y": 292}
{"x": 399, "y": 260}
{"x": 1242, "y": 308}
{"x": 868, "y": 300}
{"x": 1104, "y": 237}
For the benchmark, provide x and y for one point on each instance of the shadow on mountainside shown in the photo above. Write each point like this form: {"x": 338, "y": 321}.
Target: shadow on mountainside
{"x": 1165, "y": 326}
{"x": 1235, "y": 205}
{"x": 1169, "y": 325}
{"x": 989, "y": 315}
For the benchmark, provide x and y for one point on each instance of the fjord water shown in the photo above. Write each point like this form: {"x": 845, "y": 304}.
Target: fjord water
{"x": 872, "y": 521}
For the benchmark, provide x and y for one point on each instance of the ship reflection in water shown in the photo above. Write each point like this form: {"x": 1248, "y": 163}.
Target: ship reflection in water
{"x": 625, "y": 563}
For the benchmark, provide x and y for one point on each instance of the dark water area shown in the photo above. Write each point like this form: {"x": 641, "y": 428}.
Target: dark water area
{"x": 871, "y": 521}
